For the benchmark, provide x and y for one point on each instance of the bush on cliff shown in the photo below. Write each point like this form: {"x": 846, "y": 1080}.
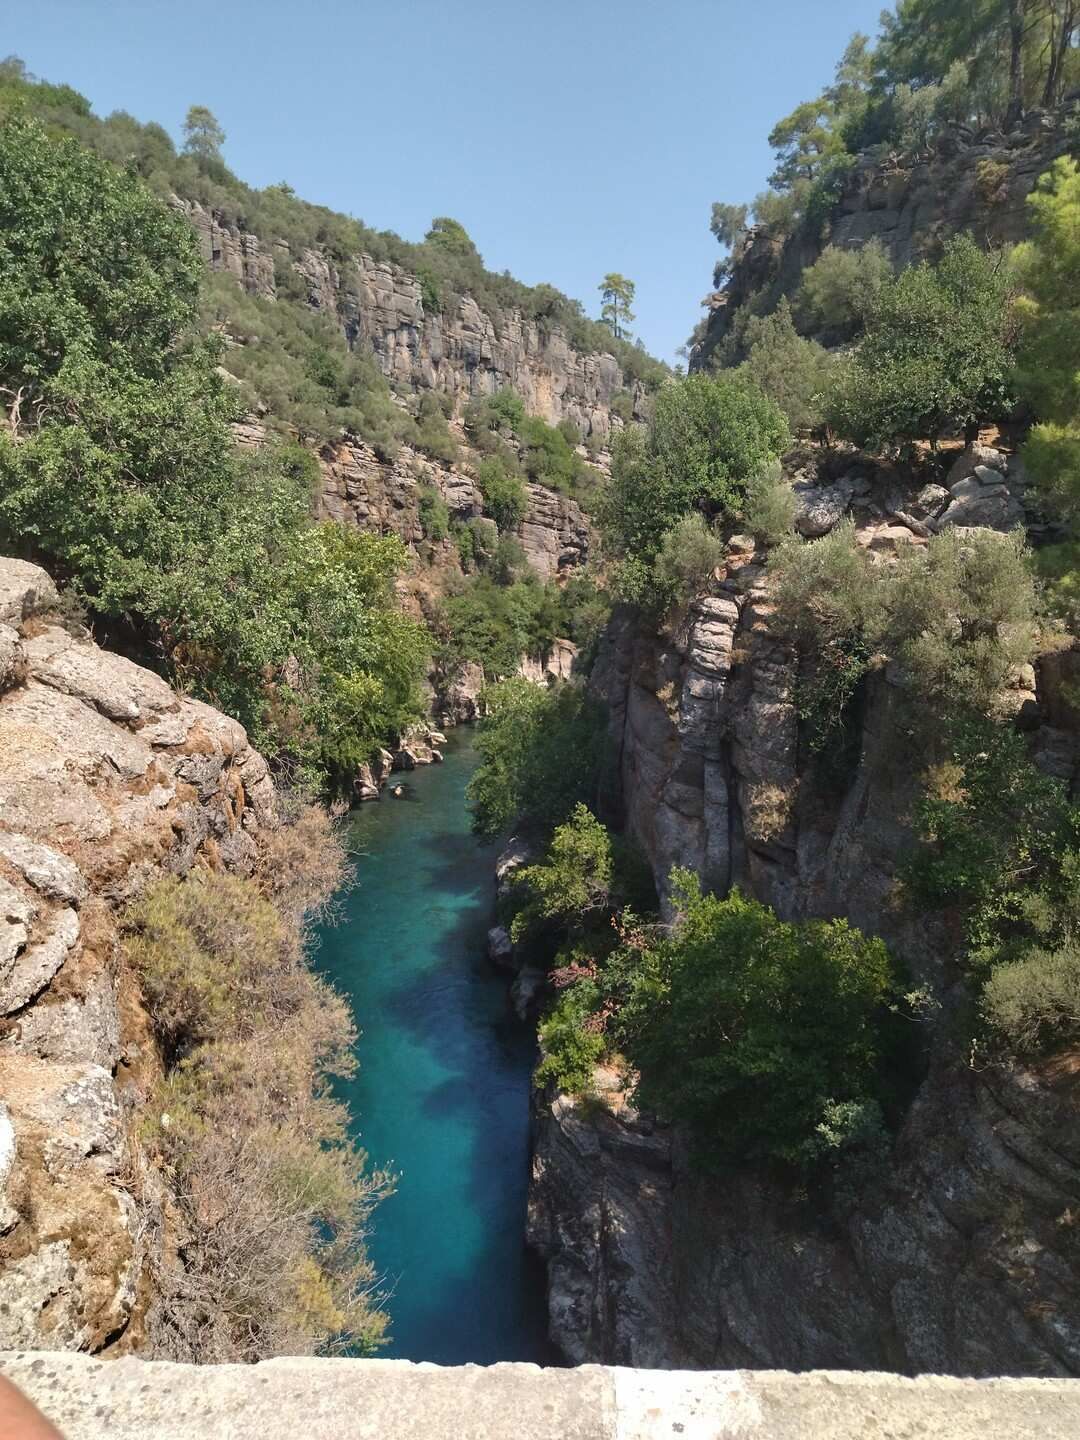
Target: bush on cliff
{"x": 837, "y": 294}
{"x": 540, "y": 754}
{"x": 998, "y": 845}
{"x": 751, "y": 1030}
{"x": 505, "y": 498}
{"x": 117, "y": 465}
{"x": 958, "y": 617}
{"x": 273, "y": 1200}
{"x": 936, "y": 352}
{"x": 795, "y": 373}
{"x": 768, "y": 1041}
{"x": 708, "y": 437}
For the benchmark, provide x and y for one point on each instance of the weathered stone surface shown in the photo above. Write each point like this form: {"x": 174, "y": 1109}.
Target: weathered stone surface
{"x": 108, "y": 780}
{"x": 67, "y": 1264}
{"x": 47, "y": 870}
{"x": 24, "y": 590}
{"x": 463, "y": 352}
{"x": 820, "y": 507}
{"x": 38, "y": 963}
{"x": 11, "y": 656}
{"x": 655, "y": 1264}
{"x": 557, "y": 664}
{"x": 554, "y": 534}
{"x": 500, "y": 948}
{"x": 907, "y": 207}
{"x": 131, "y": 1399}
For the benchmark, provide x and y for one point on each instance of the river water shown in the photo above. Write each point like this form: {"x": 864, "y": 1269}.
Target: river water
{"x": 442, "y": 1092}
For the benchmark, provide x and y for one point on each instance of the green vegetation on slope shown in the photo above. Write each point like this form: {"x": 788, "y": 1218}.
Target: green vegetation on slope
{"x": 708, "y": 438}
{"x": 117, "y": 467}
{"x": 273, "y": 1200}
{"x": 936, "y": 63}
{"x": 446, "y": 263}
{"x": 766, "y": 1040}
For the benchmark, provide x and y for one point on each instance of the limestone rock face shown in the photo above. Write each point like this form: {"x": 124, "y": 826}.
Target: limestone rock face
{"x": 907, "y": 208}
{"x": 652, "y": 1262}
{"x": 463, "y": 353}
{"x": 108, "y": 780}
{"x": 554, "y": 534}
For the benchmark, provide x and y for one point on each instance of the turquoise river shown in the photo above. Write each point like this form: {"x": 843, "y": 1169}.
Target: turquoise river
{"x": 442, "y": 1092}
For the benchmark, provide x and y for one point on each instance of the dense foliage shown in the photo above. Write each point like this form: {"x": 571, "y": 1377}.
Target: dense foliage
{"x": 937, "y": 351}
{"x": 958, "y": 618}
{"x": 751, "y": 1030}
{"x": 273, "y": 1199}
{"x": 117, "y": 467}
{"x": 709, "y": 435}
{"x": 1047, "y": 268}
{"x": 795, "y": 373}
{"x": 1000, "y": 846}
{"x": 766, "y": 1040}
{"x": 937, "y": 63}
{"x": 541, "y": 753}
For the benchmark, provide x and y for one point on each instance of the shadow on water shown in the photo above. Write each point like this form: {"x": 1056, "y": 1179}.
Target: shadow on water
{"x": 443, "y": 1088}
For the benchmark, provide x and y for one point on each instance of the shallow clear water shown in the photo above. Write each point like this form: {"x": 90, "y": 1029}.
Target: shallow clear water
{"x": 442, "y": 1092}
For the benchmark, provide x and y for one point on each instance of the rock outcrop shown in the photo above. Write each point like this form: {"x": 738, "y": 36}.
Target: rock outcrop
{"x": 973, "y": 182}
{"x": 464, "y": 352}
{"x": 360, "y": 489}
{"x": 958, "y": 1254}
{"x": 108, "y": 779}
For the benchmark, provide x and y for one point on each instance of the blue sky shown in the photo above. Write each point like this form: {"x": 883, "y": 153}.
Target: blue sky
{"x": 570, "y": 137}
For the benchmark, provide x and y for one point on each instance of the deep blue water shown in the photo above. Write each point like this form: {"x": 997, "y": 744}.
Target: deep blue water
{"x": 442, "y": 1091}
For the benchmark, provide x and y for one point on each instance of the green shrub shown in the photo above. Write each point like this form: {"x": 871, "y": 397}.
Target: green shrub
{"x": 962, "y": 617}
{"x": 708, "y": 437}
{"x": 433, "y": 435}
{"x": 999, "y": 844}
{"x": 540, "y": 754}
{"x": 958, "y": 617}
{"x": 750, "y": 1030}
{"x": 569, "y": 1048}
{"x": 689, "y": 554}
{"x": 770, "y": 507}
{"x": 936, "y": 352}
{"x": 505, "y": 498}
{"x": 794, "y": 373}
{"x": 574, "y": 879}
{"x": 840, "y": 290}
{"x": 1048, "y": 270}
{"x": 434, "y": 513}
{"x": 1034, "y": 1002}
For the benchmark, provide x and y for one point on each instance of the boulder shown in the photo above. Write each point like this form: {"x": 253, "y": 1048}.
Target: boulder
{"x": 25, "y": 590}
{"x": 500, "y": 948}
{"x": 820, "y": 507}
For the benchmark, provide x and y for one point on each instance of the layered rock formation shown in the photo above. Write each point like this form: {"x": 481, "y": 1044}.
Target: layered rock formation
{"x": 360, "y": 489}
{"x": 108, "y": 779}
{"x": 464, "y": 353}
{"x": 978, "y": 183}
{"x": 956, "y": 1254}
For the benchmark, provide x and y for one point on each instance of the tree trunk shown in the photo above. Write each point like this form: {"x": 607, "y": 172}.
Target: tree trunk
{"x": 1016, "y": 64}
{"x": 1063, "y": 12}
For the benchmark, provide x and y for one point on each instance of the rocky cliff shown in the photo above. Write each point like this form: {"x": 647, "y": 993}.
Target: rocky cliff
{"x": 108, "y": 780}
{"x": 959, "y": 1253}
{"x": 462, "y": 353}
{"x": 973, "y": 182}
{"x": 360, "y": 489}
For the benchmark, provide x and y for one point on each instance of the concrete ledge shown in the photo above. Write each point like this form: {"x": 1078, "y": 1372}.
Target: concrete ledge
{"x": 302, "y": 1399}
